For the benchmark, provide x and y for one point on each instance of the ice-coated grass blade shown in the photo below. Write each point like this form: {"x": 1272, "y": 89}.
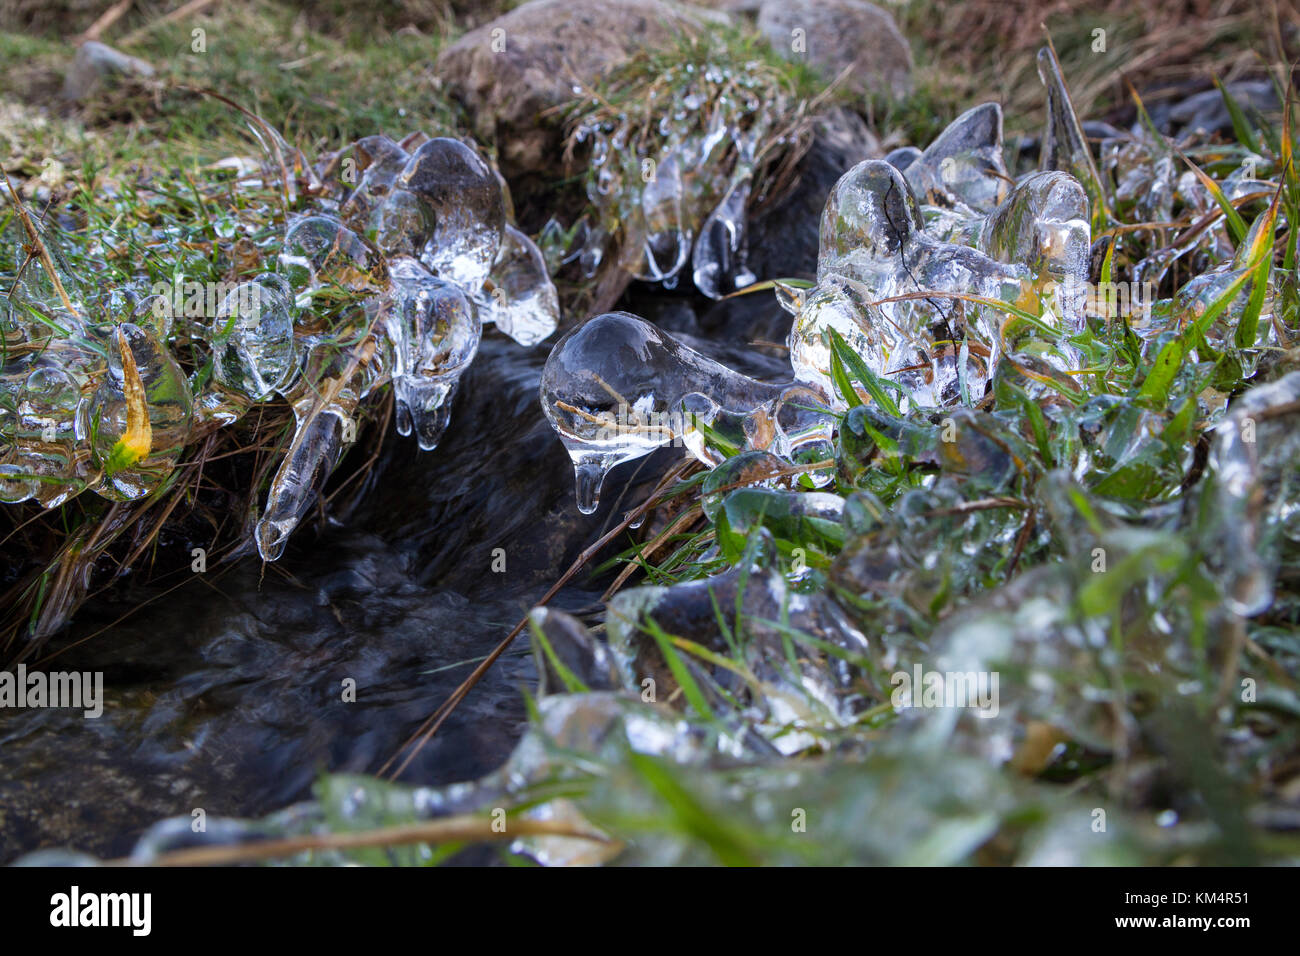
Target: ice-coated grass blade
{"x": 876, "y": 386}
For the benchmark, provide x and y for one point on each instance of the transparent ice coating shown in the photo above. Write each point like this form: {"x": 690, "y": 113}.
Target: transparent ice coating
{"x": 153, "y": 310}
{"x": 1150, "y": 183}
{"x": 1146, "y": 173}
{"x": 613, "y": 390}
{"x": 873, "y": 248}
{"x": 964, "y": 165}
{"x": 32, "y": 305}
{"x": 1064, "y": 146}
{"x": 1192, "y": 193}
{"x": 1199, "y": 293}
{"x": 718, "y": 260}
{"x": 1043, "y": 376}
{"x": 658, "y": 200}
{"x": 319, "y": 251}
{"x": 40, "y": 395}
{"x": 312, "y": 455}
{"x": 669, "y": 192}
{"x": 386, "y": 202}
{"x": 748, "y": 469}
{"x": 520, "y": 298}
{"x": 871, "y": 214}
{"x": 667, "y": 242}
{"x": 1244, "y": 180}
{"x": 812, "y": 516}
{"x": 1251, "y": 512}
{"x": 400, "y": 224}
{"x": 1150, "y": 187}
{"x": 379, "y": 161}
{"x": 1029, "y": 628}
{"x": 287, "y": 163}
{"x": 1044, "y": 224}
{"x": 26, "y": 319}
{"x": 1196, "y": 296}
{"x": 965, "y": 197}
{"x": 435, "y": 333}
{"x": 796, "y": 424}
{"x": 137, "y": 419}
{"x": 391, "y": 216}
{"x": 980, "y": 451}
{"x": 335, "y": 378}
{"x": 461, "y": 198}
{"x": 733, "y": 427}
{"x": 603, "y": 725}
{"x": 800, "y": 699}
{"x": 253, "y": 346}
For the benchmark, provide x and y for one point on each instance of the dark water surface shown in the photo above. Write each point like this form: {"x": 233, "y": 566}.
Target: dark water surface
{"x": 226, "y": 694}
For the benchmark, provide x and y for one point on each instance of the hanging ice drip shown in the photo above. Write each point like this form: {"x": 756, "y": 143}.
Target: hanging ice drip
{"x": 673, "y": 192}
{"x": 616, "y": 388}
{"x": 384, "y": 274}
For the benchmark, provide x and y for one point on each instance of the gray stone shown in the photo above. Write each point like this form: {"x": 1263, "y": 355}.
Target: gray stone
{"x": 832, "y": 35}
{"x": 95, "y": 62}
{"x": 511, "y": 71}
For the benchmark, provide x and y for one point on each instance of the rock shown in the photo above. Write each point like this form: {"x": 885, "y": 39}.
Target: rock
{"x": 510, "y": 71}
{"x": 831, "y": 35}
{"x": 1207, "y": 113}
{"x": 731, "y": 6}
{"x": 96, "y": 61}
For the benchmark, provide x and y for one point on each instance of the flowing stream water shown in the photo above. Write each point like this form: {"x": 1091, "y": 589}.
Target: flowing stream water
{"x": 226, "y": 693}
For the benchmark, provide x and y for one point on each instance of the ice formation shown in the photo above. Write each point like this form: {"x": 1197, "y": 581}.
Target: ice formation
{"x": 415, "y": 235}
